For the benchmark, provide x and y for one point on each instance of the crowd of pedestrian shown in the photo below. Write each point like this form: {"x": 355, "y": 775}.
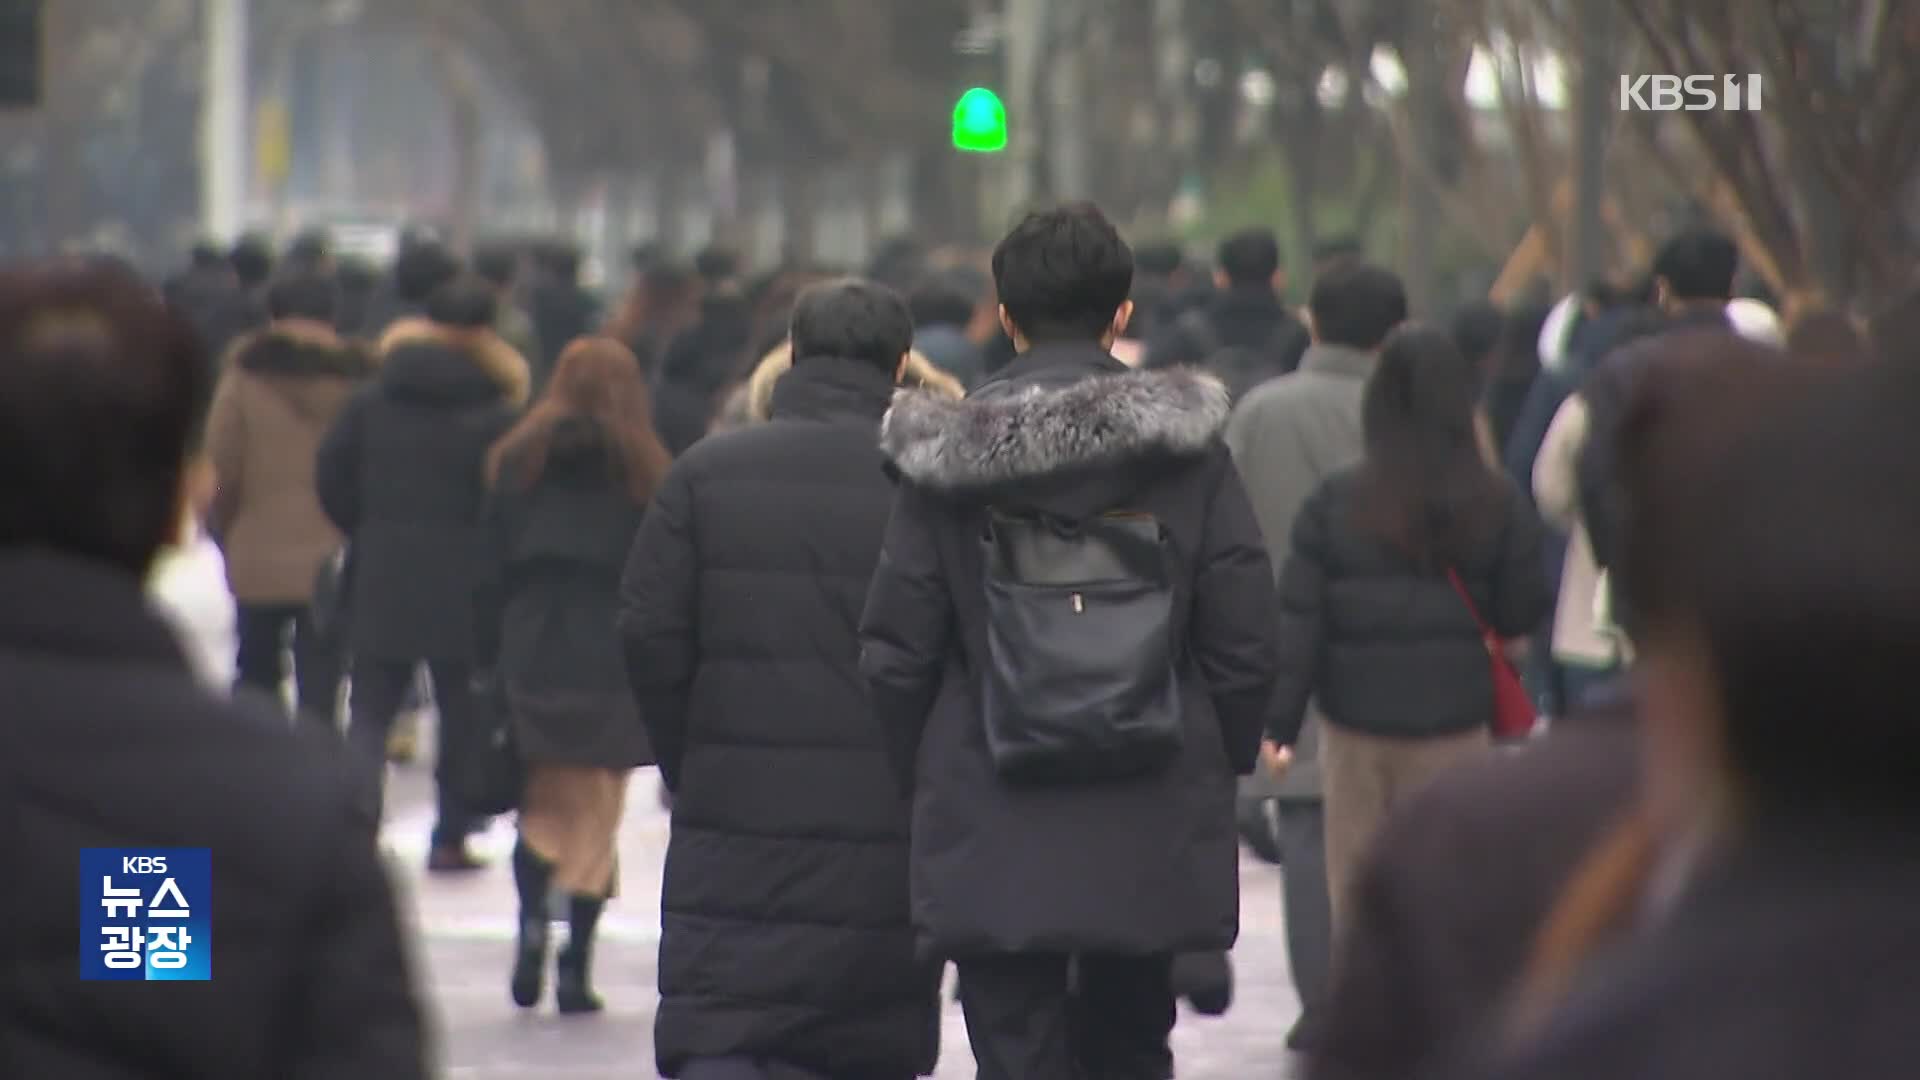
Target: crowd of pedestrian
{"x": 974, "y": 614}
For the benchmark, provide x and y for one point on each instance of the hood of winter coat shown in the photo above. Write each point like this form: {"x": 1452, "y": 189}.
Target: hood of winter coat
{"x": 921, "y": 372}
{"x": 424, "y": 360}
{"x": 312, "y": 369}
{"x": 1055, "y": 415}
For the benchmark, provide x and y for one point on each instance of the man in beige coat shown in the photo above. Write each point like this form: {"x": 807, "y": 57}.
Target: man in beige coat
{"x": 280, "y": 392}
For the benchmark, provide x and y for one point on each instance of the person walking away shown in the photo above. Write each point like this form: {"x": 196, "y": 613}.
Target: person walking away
{"x": 569, "y": 484}
{"x": 701, "y": 360}
{"x": 952, "y": 318}
{"x": 1396, "y": 563}
{"x": 1067, "y": 845}
{"x": 401, "y": 475}
{"x": 423, "y": 266}
{"x": 499, "y": 266}
{"x": 110, "y": 739}
{"x": 1287, "y": 436}
{"x": 280, "y": 394}
{"x": 786, "y": 948}
{"x": 1766, "y": 580}
{"x": 663, "y": 300}
{"x": 1244, "y": 334}
{"x": 561, "y": 307}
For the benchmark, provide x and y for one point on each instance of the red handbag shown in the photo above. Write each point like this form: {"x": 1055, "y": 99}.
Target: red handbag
{"x": 1513, "y": 715}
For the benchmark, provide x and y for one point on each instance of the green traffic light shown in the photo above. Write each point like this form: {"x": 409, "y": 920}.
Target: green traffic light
{"x": 980, "y": 122}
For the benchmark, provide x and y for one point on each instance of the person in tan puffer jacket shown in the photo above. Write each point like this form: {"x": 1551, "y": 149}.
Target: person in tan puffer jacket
{"x": 281, "y": 390}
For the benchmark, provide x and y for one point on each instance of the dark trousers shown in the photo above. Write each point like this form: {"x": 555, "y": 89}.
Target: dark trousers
{"x": 264, "y": 631}
{"x": 1048, "y": 1016}
{"x": 380, "y": 689}
{"x": 1308, "y": 908}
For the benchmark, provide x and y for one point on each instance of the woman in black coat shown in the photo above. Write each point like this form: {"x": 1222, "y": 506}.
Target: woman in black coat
{"x": 785, "y": 940}
{"x": 1395, "y": 561}
{"x": 401, "y": 475}
{"x": 569, "y": 485}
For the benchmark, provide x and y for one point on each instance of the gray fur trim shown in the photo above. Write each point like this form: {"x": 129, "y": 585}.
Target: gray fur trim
{"x": 985, "y": 441}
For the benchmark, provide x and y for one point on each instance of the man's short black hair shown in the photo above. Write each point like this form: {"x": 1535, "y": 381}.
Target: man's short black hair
{"x": 1161, "y": 259}
{"x": 948, "y": 297}
{"x": 206, "y": 255}
{"x": 102, "y": 393}
{"x": 304, "y": 295}
{"x": 851, "y": 319}
{"x": 423, "y": 267}
{"x": 466, "y": 302}
{"x": 560, "y": 259}
{"x": 1357, "y": 305}
{"x": 1477, "y": 329}
{"x": 252, "y": 260}
{"x": 1250, "y": 257}
{"x": 1340, "y": 248}
{"x": 1698, "y": 263}
{"x": 497, "y": 264}
{"x": 311, "y": 250}
{"x": 1062, "y": 274}
{"x": 717, "y": 264}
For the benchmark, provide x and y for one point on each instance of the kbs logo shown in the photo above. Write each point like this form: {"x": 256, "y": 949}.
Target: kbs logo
{"x": 1695, "y": 93}
{"x": 146, "y": 914}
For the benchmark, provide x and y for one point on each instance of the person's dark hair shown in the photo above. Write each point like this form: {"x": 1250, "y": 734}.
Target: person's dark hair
{"x": 311, "y": 250}
{"x": 947, "y": 298}
{"x": 304, "y": 295}
{"x": 900, "y": 261}
{"x": 1425, "y": 486}
{"x": 1828, "y": 336}
{"x": 1162, "y": 259}
{"x": 1250, "y": 257}
{"x": 597, "y": 379}
{"x": 206, "y": 255}
{"x": 645, "y": 257}
{"x": 560, "y": 260}
{"x": 467, "y": 302}
{"x": 1357, "y": 304}
{"x": 1336, "y": 249}
{"x": 1698, "y": 263}
{"x": 1519, "y": 355}
{"x": 1477, "y": 330}
{"x": 497, "y": 264}
{"x": 102, "y": 395}
{"x": 252, "y": 261}
{"x": 1775, "y": 510}
{"x": 717, "y": 264}
{"x": 852, "y": 319}
{"x": 421, "y": 269}
{"x": 1062, "y": 274}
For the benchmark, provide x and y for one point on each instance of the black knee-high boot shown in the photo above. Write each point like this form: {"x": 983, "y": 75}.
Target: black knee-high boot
{"x": 573, "y": 985}
{"x": 531, "y": 874}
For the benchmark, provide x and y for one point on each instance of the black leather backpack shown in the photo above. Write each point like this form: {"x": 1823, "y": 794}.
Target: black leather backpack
{"x": 1082, "y": 683}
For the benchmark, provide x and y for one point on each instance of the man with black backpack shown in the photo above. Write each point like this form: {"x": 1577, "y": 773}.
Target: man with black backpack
{"x": 1069, "y": 643}
{"x": 1244, "y": 335}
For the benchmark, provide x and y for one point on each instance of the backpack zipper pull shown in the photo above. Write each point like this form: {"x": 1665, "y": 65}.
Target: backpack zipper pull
{"x": 1079, "y": 605}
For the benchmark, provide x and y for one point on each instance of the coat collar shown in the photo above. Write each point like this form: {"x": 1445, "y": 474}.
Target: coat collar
{"x": 1343, "y": 361}
{"x": 1054, "y": 410}
{"x": 66, "y": 605}
{"x": 829, "y": 388}
{"x": 489, "y": 353}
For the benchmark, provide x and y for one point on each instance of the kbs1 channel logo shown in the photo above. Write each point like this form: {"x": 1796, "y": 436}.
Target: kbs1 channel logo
{"x": 146, "y": 914}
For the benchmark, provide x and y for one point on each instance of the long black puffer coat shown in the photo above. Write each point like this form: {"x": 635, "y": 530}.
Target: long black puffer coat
{"x": 784, "y": 916}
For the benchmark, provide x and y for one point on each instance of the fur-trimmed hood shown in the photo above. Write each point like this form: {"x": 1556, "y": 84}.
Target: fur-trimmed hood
{"x": 489, "y": 353}
{"x": 295, "y": 351}
{"x": 1018, "y": 430}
